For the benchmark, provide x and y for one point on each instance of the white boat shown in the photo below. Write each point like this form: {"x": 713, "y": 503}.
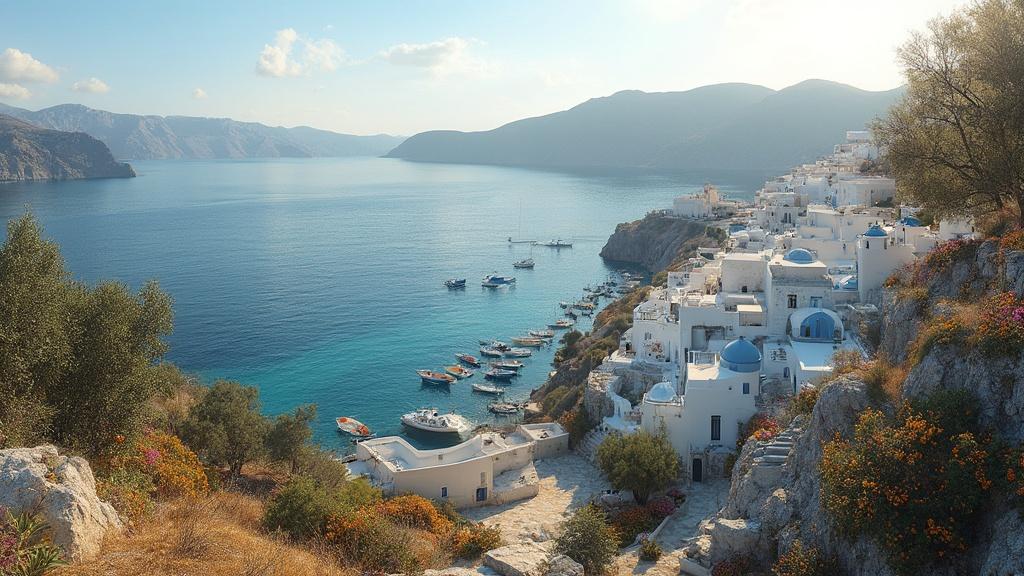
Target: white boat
{"x": 528, "y": 263}
{"x": 561, "y": 324}
{"x": 542, "y": 333}
{"x": 532, "y": 341}
{"x": 496, "y": 281}
{"x": 507, "y": 364}
{"x": 563, "y": 304}
{"x": 353, "y": 427}
{"x": 504, "y": 408}
{"x": 518, "y": 353}
{"x": 458, "y": 371}
{"x": 559, "y": 243}
{"x": 431, "y": 377}
{"x": 488, "y": 389}
{"x": 430, "y": 420}
{"x": 490, "y": 352}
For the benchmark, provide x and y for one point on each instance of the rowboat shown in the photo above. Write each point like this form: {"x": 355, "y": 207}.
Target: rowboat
{"x": 352, "y": 426}
{"x": 561, "y": 324}
{"x": 505, "y": 408}
{"x": 431, "y": 377}
{"x": 458, "y": 371}
{"x": 496, "y": 374}
{"x": 507, "y": 364}
{"x": 430, "y": 420}
{"x": 468, "y": 359}
{"x": 542, "y": 333}
{"x": 487, "y": 389}
{"x": 518, "y": 353}
{"x": 532, "y": 341}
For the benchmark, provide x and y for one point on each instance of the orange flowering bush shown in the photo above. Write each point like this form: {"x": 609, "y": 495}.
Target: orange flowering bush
{"x": 1001, "y": 329}
{"x": 176, "y": 470}
{"x": 802, "y": 560}
{"x": 1012, "y": 241}
{"x": 760, "y": 428}
{"x": 631, "y": 522}
{"x": 805, "y": 400}
{"x": 415, "y": 512}
{"x": 1014, "y": 473}
{"x": 946, "y": 254}
{"x": 913, "y": 482}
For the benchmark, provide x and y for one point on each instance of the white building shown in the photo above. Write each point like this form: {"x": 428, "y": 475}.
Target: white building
{"x": 705, "y": 204}
{"x": 878, "y": 255}
{"x": 490, "y": 468}
{"x": 795, "y": 280}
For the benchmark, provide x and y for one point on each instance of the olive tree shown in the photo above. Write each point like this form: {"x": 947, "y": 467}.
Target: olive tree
{"x": 226, "y": 427}
{"x": 641, "y": 462}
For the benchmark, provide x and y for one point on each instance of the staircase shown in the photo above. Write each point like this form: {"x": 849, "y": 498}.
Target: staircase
{"x": 588, "y": 446}
{"x": 776, "y": 451}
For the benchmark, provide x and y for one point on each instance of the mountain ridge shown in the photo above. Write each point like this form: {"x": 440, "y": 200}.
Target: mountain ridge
{"x": 717, "y": 127}
{"x": 148, "y": 137}
{"x": 28, "y": 152}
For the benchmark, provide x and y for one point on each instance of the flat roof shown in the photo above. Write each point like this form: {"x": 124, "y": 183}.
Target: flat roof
{"x": 749, "y": 308}
{"x": 748, "y": 256}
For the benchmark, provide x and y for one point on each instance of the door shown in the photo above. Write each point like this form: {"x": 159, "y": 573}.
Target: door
{"x": 481, "y": 494}
{"x": 698, "y": 470}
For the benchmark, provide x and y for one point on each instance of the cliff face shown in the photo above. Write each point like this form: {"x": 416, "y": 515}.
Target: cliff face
{"x": 31, "y": 153}
{"x": 770, "y": 505}
{"x": 657, "y": 241}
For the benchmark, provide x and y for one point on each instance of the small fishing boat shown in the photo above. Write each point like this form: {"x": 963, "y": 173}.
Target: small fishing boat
{"x": 518, "y": 353}
{"x": 468, "y": 360}
{"x": 431, "y": 377}
{"x": 430, "y": 420}
{"x": 563, "y": 304}
{"x": 496, "y": 374}
{"x": 531, "y": 341}
{"x": 352, "y": 426}
{"x": 542, "y": 333}
{"x": 455, "y": 283}
{"x": 487, "y": 389}
{"x": 505, "y": 408}
{"x": 527, "y": 263}
{"x": 559, "y": 243}
{"x": 497, "y": 281}
{"x": 490, "y": 352}
{"x": 507, "y": 364}
{"x": 561, "y": 324}
{"x": 458, "y": 371}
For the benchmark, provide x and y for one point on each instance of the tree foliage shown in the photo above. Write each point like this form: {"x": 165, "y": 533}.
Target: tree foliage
{"x": 226, "y": 427}
{"x": 588, "y": 539}
{"x": 956, "y": 140}
{"x": 641, "y": 462}
{"x": 289, "y": 435}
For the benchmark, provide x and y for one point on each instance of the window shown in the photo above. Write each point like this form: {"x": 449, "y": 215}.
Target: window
{"x": 743, "y": 289}
{"x": 867, "y": 243}
{"x": 716, "y": 428}
{"x": 791, "y": 301}
{"x": 785, "y": 372}
{"x": 815, "y": 301}
{"x": 746, "y": 387}
{"x": 444, "y": 491}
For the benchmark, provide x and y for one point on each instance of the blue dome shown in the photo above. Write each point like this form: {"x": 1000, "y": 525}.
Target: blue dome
{"x": 662, "y": 392}
{"x": 741, "y": 356}
{"x": 799, "y": 256}
{"x": 876, "y": 232}
{"x": 910, "y": 221}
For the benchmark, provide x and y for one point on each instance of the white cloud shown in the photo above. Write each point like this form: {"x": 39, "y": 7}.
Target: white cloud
{"x": 92, "y": 86}
{"x": 277, "y": 59}
{"x": 15, "y": 91}
{"x": 442, "y": 58}
{"x": 199, "y": 94}
{"x": 16, "y": 65}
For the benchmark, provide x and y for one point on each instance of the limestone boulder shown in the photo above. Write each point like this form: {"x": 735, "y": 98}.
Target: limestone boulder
{"x": 519, "y": 559}
{"x": 736, "y": 537}
{"x": 562, "y": 565}
{"x": 62, "y": 491}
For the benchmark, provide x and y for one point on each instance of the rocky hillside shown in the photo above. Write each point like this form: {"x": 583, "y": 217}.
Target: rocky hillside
{"x": 31, "y": 153}
{"x": 952, "y": 328}
{"x": 658, "y": 241}
{"x": 141, "y": 137}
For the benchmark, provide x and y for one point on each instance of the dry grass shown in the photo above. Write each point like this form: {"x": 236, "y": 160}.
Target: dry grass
{"x": 218, "y": 535}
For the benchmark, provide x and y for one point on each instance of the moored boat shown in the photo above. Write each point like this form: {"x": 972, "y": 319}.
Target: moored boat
{"x": 431, "y": 377}
{"x": 505, "y": 408}
{"x": 542, "y": 333}
{"x": 468, "y": 359}
{"x": 507, "y": 364}
{"x": 563, "y": 304}
{"x": 527, "y": 263}
{"x": 488, "y": 389}
{"x": 496, "y": 374}
{"x": 531, "y": 341}
{"x": 490, "y": 352}
{"x": 518, "y": 353}
{"x": 458, "y": 371}
{"x": 455, "y": 283}
{"x": 561, "y": 324}
{"x": 352, "y": 426}
{"x": 496, "y": 281}
{"x": 559, "y": 243}
{"x": 430, "y": 420}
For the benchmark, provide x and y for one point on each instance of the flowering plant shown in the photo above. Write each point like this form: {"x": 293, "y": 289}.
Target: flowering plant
{"x": 661, "y": 507}
{"x": 1001, "y": 329}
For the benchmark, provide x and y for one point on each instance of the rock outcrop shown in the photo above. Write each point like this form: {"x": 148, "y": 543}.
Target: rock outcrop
{"x": 657, "y": 241}
{"x": 519, "y": 559}
{"x": 62, "y": 491}
{"x": 31, "y": 153}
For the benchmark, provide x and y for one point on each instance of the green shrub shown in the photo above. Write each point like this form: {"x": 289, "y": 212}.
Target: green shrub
{"x": 226, "y": 427}
{"x": 650, "y": 551}
{"x": 471, "y": 541}
{"x": 301, "y": 508}
{"x": 290, "y": 433}
{"x": 25, "y": 548}
{"x": 373, "y": 544}
{"x": 641, "y": 462}
{"x": 588, "y": 539}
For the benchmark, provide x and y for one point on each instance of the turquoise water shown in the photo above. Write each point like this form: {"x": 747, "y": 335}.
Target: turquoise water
{"x": 320, "y": 280}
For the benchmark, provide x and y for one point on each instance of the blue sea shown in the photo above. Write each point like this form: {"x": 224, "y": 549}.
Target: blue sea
{"x": 320, "y": 280}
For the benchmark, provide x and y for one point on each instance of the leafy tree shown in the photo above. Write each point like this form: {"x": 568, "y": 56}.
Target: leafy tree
{"x": 588, "y": 539}
{"x": 641, "y": 462}
{"x": 956, "y": 139}
{"x": 288, "y": 436}
{"x": 226, "y": 428}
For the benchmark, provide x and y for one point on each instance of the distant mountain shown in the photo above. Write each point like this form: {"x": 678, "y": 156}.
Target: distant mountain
{"x": 187, "y": 137}
{"x": 31, "y": 153}
{"x": 717, "y": 127}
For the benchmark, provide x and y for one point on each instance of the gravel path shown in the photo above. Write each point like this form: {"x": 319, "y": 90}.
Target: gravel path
{"x": 566, "y": 483}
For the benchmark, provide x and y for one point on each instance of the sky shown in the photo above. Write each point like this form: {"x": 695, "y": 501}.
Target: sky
{"x": 382, "y": 66}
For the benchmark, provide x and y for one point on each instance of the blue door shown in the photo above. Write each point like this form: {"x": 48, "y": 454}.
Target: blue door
{"x": 481, "y": 494}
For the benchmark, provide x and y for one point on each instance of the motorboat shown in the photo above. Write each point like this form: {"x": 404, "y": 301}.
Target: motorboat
{"x": 496, "y": 374}
{"x": 542, "y": 333}
{"x": 455, "y": 283}
{"x": 353, "y": 427}
{"x": 507, "y": 364}
{"x": 497, "y": 281}
{"x": 559, "y": 243}
{"x": 563, "y": 304}
{"x": 584, "y": 305}
{"x": 468, "y": 359}
{"x": 431, "y": 377}
{"x": 518, "y": 353}
{"x": 505, "y": 408}
{"x": 490, "y": 352}
{"x": 561, "y": 324}
{"x": 496, "y": 344}
{"x": 430, "y": 420}
{"x": 488, "y": 389}
{"x": 527, "y": 263}
{"x": 458, "y": 371}
{"x": 531, "y": 341}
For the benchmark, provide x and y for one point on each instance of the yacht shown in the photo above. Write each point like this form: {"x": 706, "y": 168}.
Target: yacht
{"x": 496, "y": 281}
{"x": 430, "y": 420}
{"x": 455, "y": 283}
{"x": 559, "y": 243}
